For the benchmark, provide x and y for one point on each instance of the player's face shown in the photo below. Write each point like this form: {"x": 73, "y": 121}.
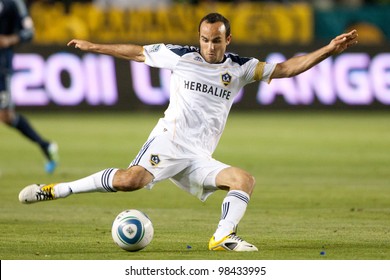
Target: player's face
{"x": 213, "y": 41}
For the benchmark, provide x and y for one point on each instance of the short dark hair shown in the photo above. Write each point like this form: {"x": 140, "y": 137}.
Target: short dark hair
{"x": 216, "y": 17}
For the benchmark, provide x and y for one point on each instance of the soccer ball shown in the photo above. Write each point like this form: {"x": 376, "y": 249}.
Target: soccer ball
{"x": 132, "y": 230}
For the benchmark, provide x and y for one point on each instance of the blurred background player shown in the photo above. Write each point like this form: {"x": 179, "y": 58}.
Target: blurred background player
{"x": 16, "y": 26}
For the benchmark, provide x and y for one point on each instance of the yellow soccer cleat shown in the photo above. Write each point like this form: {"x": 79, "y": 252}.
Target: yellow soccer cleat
{"x": 231, "y": 242}
{"x": 37, "y": 192}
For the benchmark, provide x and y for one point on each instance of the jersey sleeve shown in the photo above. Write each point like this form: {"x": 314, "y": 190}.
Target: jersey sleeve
{"x": 25, "y": 24}
{"x": 260, "y": 71}
{"x": 158, "y": 55}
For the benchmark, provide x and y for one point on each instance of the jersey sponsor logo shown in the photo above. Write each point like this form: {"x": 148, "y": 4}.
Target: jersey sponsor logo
{"x": 154, "y": 160}
{"x": 208, "y": 89}
{"x": 226, "y": 78}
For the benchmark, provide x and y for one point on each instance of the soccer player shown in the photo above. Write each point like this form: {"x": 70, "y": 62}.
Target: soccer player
{"x": 203, "y": 85}
{"x": 16, "y": 26}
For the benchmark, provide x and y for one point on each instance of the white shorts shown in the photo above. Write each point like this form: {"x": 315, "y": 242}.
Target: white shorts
{"x": 190, "y": 171}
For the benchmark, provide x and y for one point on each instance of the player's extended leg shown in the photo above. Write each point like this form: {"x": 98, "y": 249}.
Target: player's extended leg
{"x": 240, "y": 185}
{"x": 20, "y": 123}
{"x": 108, "y": 180}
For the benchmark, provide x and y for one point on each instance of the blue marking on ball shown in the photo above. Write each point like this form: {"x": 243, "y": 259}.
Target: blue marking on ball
{"x": 138, "y": 235}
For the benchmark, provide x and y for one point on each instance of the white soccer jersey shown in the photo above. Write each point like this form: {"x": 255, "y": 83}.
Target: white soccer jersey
{"x": 201, "y": 94}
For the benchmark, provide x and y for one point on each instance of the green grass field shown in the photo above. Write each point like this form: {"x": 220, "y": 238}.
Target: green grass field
{"x": 323, "y": 184}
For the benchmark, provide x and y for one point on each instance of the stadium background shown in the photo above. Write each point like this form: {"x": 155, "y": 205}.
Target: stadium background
{"x": 50, "y": 76}
{"x": 322, "y": 175}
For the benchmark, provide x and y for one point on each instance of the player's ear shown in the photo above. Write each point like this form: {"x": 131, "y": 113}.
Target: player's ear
{"x": 228, "y": 39}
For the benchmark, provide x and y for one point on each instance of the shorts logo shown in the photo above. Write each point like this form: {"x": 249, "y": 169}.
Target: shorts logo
{"x": 226, "y": 78}
{"x": 154, "y": 160}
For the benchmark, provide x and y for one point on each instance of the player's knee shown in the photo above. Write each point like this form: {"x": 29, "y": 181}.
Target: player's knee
{"x": 244, "y": 182}
{"x": 130, "y": 184}
{"x": 233, "y": 178}
{"x": 5, "y": 117}
{"x": 131, "y": 179}
{"x": 249, "y": 183}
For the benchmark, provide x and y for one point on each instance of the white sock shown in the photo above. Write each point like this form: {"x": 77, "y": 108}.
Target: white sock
{"x": 98, "y": 182}
{"x": 233, "y": 209}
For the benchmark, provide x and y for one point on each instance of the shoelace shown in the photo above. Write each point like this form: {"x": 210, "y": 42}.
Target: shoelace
{"x": 235, "y": 237}
{"x": 44, "y": 194}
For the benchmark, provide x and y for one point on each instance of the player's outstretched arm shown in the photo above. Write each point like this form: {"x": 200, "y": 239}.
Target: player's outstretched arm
{"x": 299, "y": 64}
{"x": 124, "y": 51}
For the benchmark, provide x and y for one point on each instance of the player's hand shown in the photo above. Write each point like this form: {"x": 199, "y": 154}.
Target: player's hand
{"x": 8, "y": 41}
{"x": 343, "y": 41}
{"x": 80, "y": 44}
{"x": 3, "y": 41}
